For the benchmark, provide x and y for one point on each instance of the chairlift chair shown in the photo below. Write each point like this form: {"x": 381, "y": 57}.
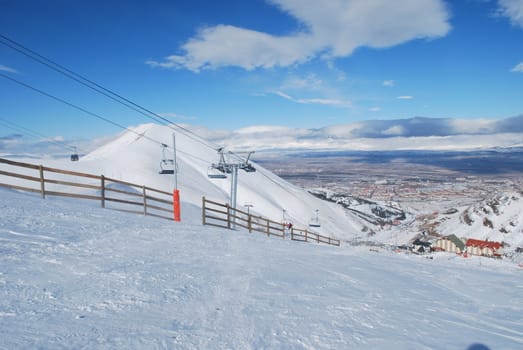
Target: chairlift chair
{"x": 166, "y": 165}
{"x": 74, "y": 156}
{"x": 246, "y": 165}
{"x": 248, "y": 168}
{"x": 214, "y": 173}
{"x": 315, "y": 221}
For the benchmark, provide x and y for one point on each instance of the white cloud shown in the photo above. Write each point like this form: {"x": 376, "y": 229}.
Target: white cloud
{"x": 405, "y": 97}
{"x": 513, "y": 9}
{"x": 518, "y": 68}
{"x": 226, "y": 45}
{"x": 318, "y": 101}
{"x": 177, "y": 116}
{"x": 7, "y": 69}
{"x": 389, "y": 83}
{"x": 374, "y": 109}
{"x": 396, "y": 130}
{"x": 310, "y": 82}
{"x": 413, "y": 133}
{"x": 329, "y": 30}
{"x": 58, "y": 138}
{"x": 472, "y": 126}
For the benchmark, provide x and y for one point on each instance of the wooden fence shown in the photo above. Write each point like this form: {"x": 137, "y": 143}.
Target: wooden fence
{"x": 126, "y": 196}
{"x": 222, "y": 215}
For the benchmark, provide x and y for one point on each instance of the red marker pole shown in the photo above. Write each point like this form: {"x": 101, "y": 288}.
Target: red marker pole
{"x": 176, "y": 191}
{"x": 176, "y": 205}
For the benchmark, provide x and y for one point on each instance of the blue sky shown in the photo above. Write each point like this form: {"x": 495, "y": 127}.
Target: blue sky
{"x": 233, "y": 64}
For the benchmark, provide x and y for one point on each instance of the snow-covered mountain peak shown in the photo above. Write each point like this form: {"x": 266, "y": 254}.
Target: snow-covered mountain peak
{"x": 135, "y": 156}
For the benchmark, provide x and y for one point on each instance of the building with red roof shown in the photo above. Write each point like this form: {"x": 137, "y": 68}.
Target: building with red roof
{"x": 486, "y": 248}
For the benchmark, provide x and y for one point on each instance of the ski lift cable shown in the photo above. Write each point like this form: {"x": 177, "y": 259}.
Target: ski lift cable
{"x": 13, "y": 126}
{"x": 77, "y": 107}
{"x": 100, "y": 89}
{"x": 116, "y": 124}
{"x": 95, "y": 115}
{"x": 104, "y": 91}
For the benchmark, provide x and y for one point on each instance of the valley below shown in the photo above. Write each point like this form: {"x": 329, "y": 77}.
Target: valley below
{"x": 411, "y": 194}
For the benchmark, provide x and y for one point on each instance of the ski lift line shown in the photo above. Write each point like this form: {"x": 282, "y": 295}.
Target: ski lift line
{"x": 100, "y": 89}
{"x": 60, "y": 69}
{"x": 239, "y": 157}
{"x": 276, "y": 183}
{"x": 34, "y": 134}
{"x": 94, "y": 115}
{"x": 114, "y": 123}
{"x": 77, "y": 107}
{"x": 106, "y": 92}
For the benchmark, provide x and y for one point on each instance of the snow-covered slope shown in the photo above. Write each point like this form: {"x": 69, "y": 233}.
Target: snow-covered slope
{"x": 75, "y": 276}
{"x": 499, "y": 218}
{"x": 133, "y": 157}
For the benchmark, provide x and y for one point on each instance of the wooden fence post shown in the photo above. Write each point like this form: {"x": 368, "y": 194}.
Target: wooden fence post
{"x": 292, "y": 233}
{"x": 203, "y": 210}
{"x": 268, "y": 229}
{"x": 103, "y": 190}
{"x": 144, "y": 201}
{"x": 42, "y": 181}
{"x": 306, "y": 239}
{"x": 249, "y": 223}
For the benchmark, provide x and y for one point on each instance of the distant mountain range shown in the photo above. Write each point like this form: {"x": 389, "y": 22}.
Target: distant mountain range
{"x": 417, "y": 133}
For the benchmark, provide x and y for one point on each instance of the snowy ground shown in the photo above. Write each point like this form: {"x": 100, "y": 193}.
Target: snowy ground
{"x": 73, "y": 275}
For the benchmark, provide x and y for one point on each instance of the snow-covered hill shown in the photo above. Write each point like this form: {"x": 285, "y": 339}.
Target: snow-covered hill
{"x": 499, "y": 218}
{"x": 133, "y": 157}
{"x": 74, "y": 275}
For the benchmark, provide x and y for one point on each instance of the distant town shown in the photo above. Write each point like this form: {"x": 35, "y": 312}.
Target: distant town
{"x": 416, "y": 192}
{"x": 402, "y": 177}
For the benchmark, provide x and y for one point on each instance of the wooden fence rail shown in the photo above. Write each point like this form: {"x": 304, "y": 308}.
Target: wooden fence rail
{"x": 153, "y": 202}
{"x": 222, "y": 215}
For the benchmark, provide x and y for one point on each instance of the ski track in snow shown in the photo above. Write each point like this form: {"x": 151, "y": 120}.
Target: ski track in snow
{"x": 73, "y": 275}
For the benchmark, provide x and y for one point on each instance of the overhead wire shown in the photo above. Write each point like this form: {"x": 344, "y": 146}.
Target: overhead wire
{"x": 76, "y": 107}
{"x": 102, "y": 90}
{"x": 107, "y": 93}
{"x": 236, "y": 155}
{"x": 93, "y": 114}
{"x": 13, "y": 126}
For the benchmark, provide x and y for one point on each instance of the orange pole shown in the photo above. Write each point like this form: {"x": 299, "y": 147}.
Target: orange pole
{"x": 176, "y": 205}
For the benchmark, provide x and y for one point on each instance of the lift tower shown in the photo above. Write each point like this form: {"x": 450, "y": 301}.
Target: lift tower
{"x": 223, "y": 167}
